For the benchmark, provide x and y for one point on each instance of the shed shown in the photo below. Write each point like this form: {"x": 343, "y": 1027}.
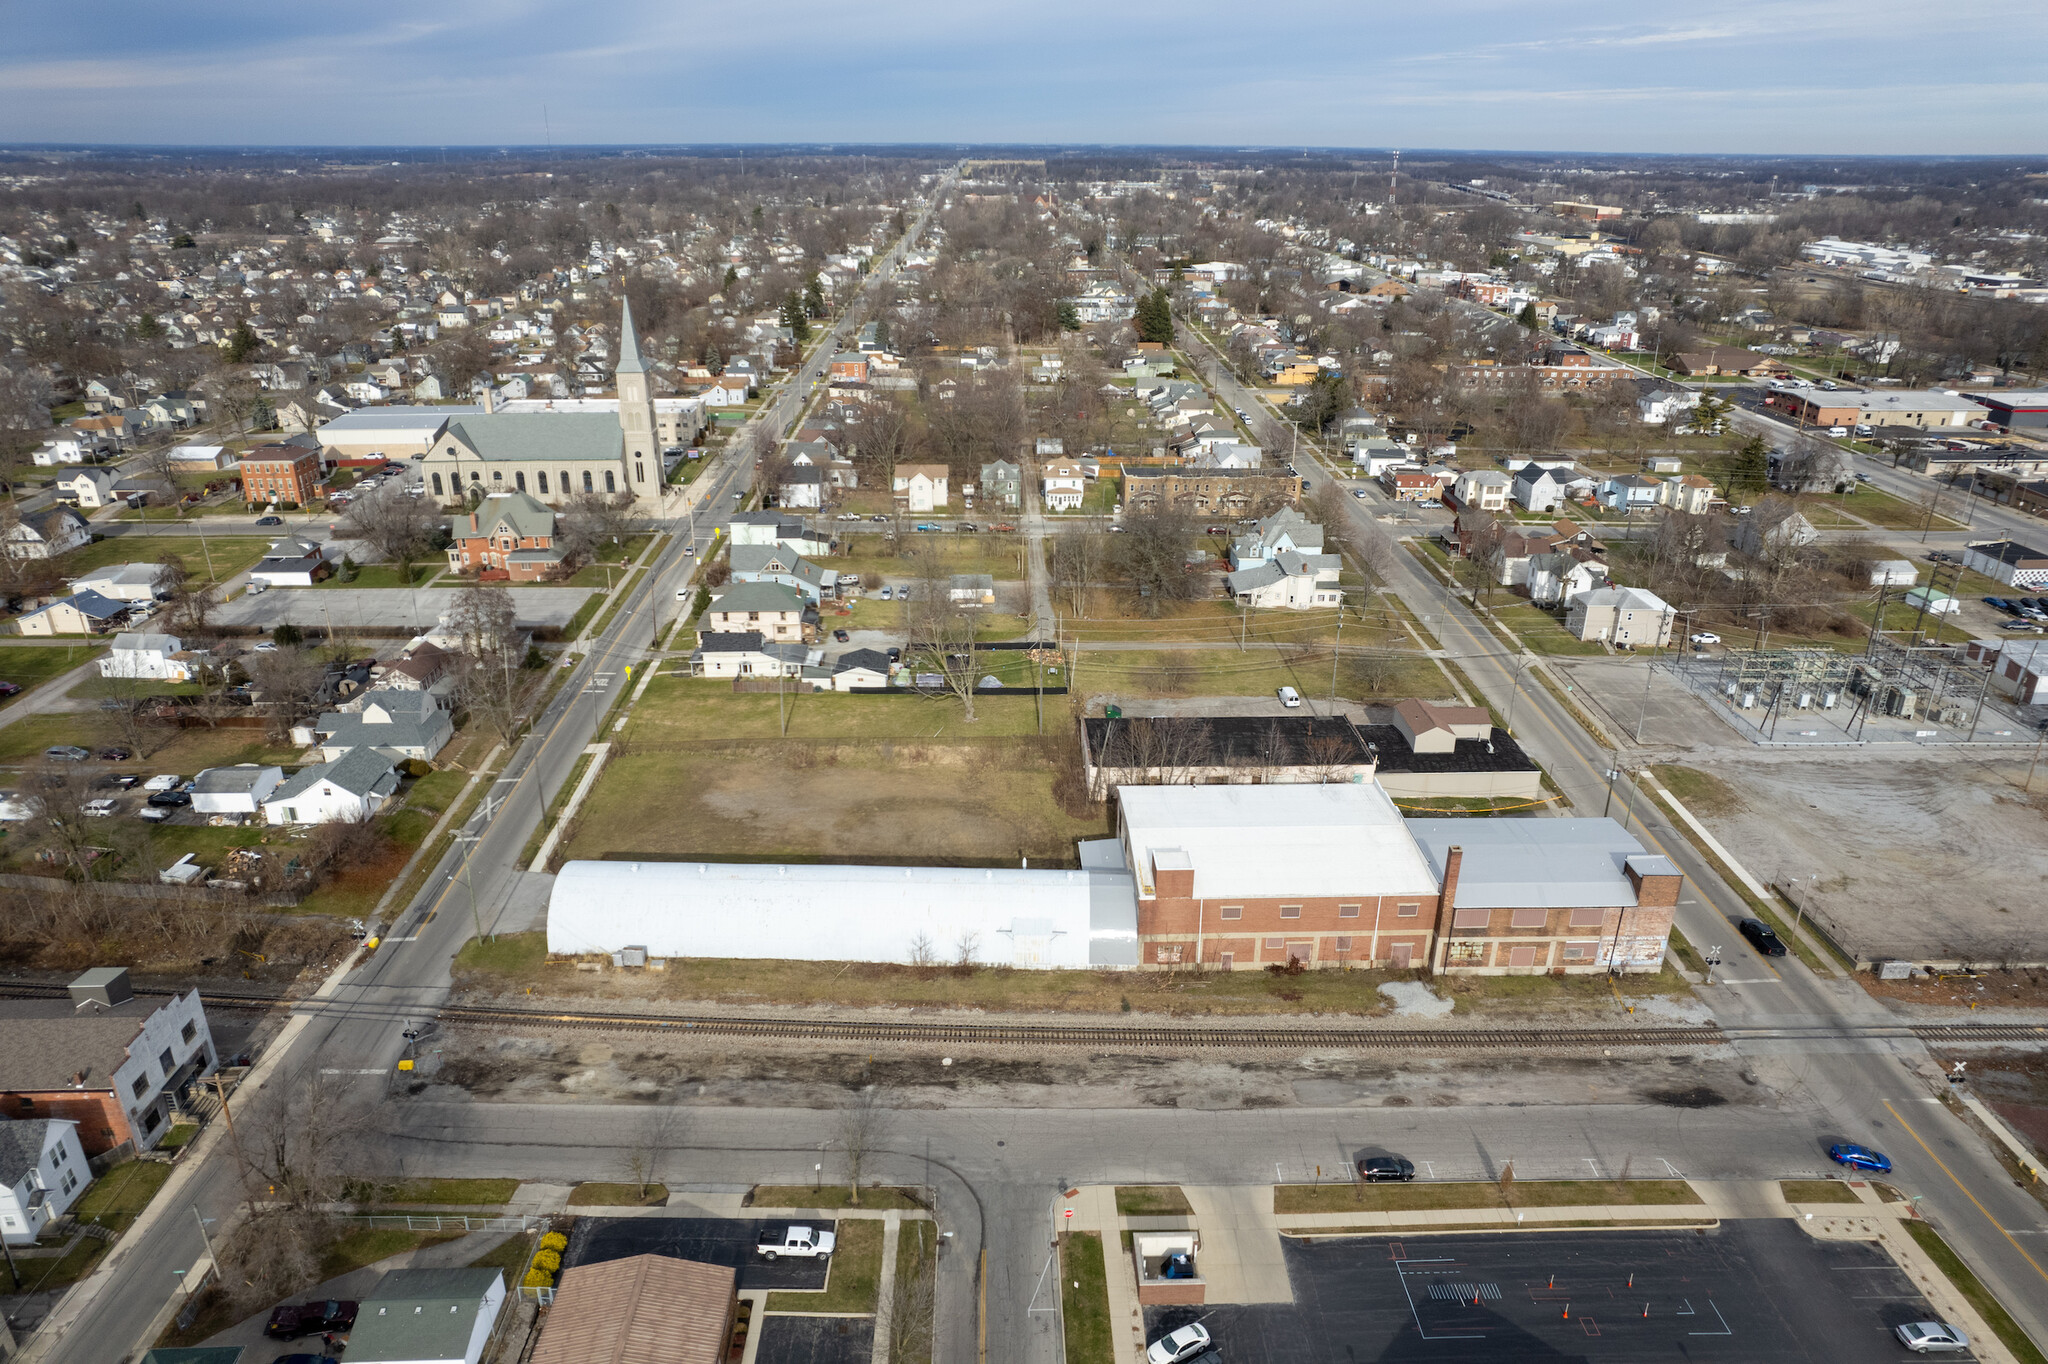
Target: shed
{"x": 427, "y": 1316}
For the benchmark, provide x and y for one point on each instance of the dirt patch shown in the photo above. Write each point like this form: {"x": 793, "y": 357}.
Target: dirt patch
{"x": 1698, "y": 1096}
{"x": 2024, "y": 989}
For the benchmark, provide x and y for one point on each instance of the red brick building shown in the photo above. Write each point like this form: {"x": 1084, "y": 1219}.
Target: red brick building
{"x": 280, "y": 474}
{"x": 510, "y": 537}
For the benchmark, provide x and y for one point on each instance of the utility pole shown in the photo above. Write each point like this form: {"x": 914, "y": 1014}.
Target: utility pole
{"x": 1336, "y": 653}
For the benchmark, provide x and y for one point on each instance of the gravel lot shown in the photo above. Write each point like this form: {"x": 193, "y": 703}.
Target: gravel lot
{"x": 387, "y": 607}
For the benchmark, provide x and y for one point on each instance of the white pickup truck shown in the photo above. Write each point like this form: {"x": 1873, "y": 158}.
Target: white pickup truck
{"x": 798, "y": 1243}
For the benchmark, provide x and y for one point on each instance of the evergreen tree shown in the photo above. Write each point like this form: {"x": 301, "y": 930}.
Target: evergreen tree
{"x": 814, "y": 296}
{"x": 242, "y": 343}
{"x": 795, "y": 318}
{"x": 148, "y": 328}
{"x": 1070, "y": 316}
{"x": 1750, "y": 471}
{"x": 732, "y": 277}
{"x": 1527, "y": 317}
{"x": 882, "y": 332}
{"x": 1155, "y": 317}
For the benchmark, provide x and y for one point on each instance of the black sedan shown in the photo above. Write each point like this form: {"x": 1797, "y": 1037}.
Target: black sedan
{"x": 167, "y": 800}
{"x": 1385, "y": 1169}
{"x": 1762, "y": 937}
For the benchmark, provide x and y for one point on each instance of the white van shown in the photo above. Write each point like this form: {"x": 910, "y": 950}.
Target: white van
{"x": 1289, "y": 697}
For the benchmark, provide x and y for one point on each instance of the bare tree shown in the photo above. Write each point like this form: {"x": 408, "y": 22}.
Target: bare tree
{"x": 133, "y": 723}
{"x": 1076, "y": 562}
{"x": 401, "y": 529}
{"x": 489, "y": 682}
{"x": 1152, "y": 751}
{"x": 862, "y": 1122}
{"x": 657, "y": 1133}
{"x": 913, "y": 1302}
{"x": 287, "y": 683}
{"x": 592, "y": 521}
{"x": 1152, "y": 555}
{"x": 942, "y": 631}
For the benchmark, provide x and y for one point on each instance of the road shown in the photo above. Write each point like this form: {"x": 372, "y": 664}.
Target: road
{"x": 1873, "y": 1094}
{"x": 407, "y": 977}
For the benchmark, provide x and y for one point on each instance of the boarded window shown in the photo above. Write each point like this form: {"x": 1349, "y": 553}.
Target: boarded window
{"x": 1521, "y": 956}
{"x": 1531, "y": 918}
{"x": 1275, "y": 944}
{"x": 1301, "y": 951}
{"x": 1402, "y": 954}
{"x": 1343, "y": 944}
{"x": 1587, "y": 916}
{"x": 1472, "y": 918}
{"x": 1226, "y": 959}
{"x": 1579, "y": 951}
{"x": 189, "y": 1031}
{"x": 1167, "y": 952}
{"x": 1408, "y": 911}
{"x": 1290, "y": 911}
{"x": 1232, "y": 911}
{"x": 141, "y": 1085}
{"x": 1347, "y": 911}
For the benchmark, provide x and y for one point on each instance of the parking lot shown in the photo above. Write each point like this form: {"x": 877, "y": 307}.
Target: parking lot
{"x": 707, "y": 1240}
{"x": 816, "y": 1340}
{"x": 1760, "y": 1292}
{"x": 387, "y": 607}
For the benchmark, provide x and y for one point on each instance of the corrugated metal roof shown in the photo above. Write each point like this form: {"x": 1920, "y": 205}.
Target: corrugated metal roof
{"x": 1532, "y": 863}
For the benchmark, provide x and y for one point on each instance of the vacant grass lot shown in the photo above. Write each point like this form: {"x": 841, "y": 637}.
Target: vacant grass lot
{"x": 383, "y": 575}
{"x": 855, "y": 1278}
{"x": 230, "y": 554}
{"x": 1701, "y": 792}
{"x": 681, "y": 709}
{"x": 1084, "y": 1299}
{"x": 173, "y": 750}
{"x": 1543, "y": 632}
{"x": 1563, "y": 1193}
{"x": 28, "y": 667}
{"x": 1229, "y": 672}
{"x": 1880, "y": 508}
{"x": 1110, "y": 614}
{"x": 1000, "y": 556}
{"x": 971, "y": 803}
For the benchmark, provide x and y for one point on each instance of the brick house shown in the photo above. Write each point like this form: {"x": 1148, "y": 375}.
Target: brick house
{"x": 1201, "y": 491}
{"x": 509, "y": 536}
{"x": 1239, "y": 877}
{"x": 279, "y": 473}
{"x": 850, "y": 365}
{"x": 1571, "y": 896}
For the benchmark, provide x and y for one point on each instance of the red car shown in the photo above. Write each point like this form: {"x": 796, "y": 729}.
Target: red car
{"x": 310, "y": 1318}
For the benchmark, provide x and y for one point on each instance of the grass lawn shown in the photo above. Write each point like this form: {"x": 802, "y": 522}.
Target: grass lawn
{"x": 382, "y": 575}
{"x": 230, "y": 554}
{"x": 181, "y": 1134}
{"x": 1973, "y": 1290}
{"x": 29, "y": 667}
{"x": 855, "y": 1278}
{"x": 1084, "y": 1299}
{"x": 1562, "y": 1193}
{"x": 683, "y": 709}
{"x": 1701, "y": 792}
{"x": 917, "y": 1253}
{"x": 833, "y": 1196}
{"x": 476, "y": 1193}
{"x": 1228, "y": 672}
{"x": 118, "y": 1197}
{"x": 510, "y": 1258}
{"x": 1817, "y": 1191}
{"x": 1110, "y": 615}
{"x": 357, "y": 1246}
{"x": 967, "y": 803}
{"x": 996, "y": 555}
{"x": 184, "y": 751}
{"x": 618, "y": 1195}
{"x": 595, "y": 574}
{"x": 1543, "y": 632}
{"x": 1880, "y": 508}
{"x": 1152, "y": 1200}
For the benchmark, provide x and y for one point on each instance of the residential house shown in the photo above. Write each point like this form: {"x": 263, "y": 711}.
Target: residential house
{"x": 1538, "y": 489}
{"x": 745, "y": 653}
{"x": 971, "y": 589}
{"x": 67, "y": 447}
{"x": 1374, "y": 455}
{"x": 1728, "y": 360}
{"x": 1430, "y": 728}
{"x": 1773, "y": 528}
{"x": 509, "y": 536}
{"x": 860, "y": 668}
{"x": 137, "y": 583}
{"x": 352, "y": 788}
{"x": 1410, "y": 485}
{"x": 1285, "y": 529}
{"x": 1626, "y": 617}
{"x": 1664, "y": 464}
{"x": 422, "y": 667}
{"x": 292, "y": 562}
{"x": 156, "y": 658}
{"x": 1482, "y": 490}
{"x": 1817, "y": 468}
{"x": 116, "y": 1066}
{"x": 1686, "y": 493}
{"x": 1224, "y": 453}
{"x": 1561, "y": 577}
{"x": 1203, "y": 492}
{"x": 1288, "y": 580}
{"x": 2010, "y": 562}
{"x": 920, "y": 487}
{"x": 1629, "y": 492}
{"x": 642, "y": 1309}
{"x": 1063, "y": 484}
{"x": 776, "y": 528}
{"x": 801, "y": 487}
{"x": 237, "y": 790}
{"x": 1666, "y": 406}
{"x": 45, "y": 534}
{"x": 398, "y": 724}
{"x": 778, "y": 564}
{"x": 42, "y": 1172}
{"x": 849, "y": 365}
{"x": 776, "y": 612}
{"x": 1002, "y": 485}
{"x": 280, "y": 475}
{"x": 428, "y": 1316}
{"x": 81, "y": 613}
{"x": 89, "y": 488}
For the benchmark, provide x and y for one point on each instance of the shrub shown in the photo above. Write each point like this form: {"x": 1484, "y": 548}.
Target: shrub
{"x": 537, "y": 1278}
{"x": 548, "y": 1260}
{"x": 554, "y": 1240}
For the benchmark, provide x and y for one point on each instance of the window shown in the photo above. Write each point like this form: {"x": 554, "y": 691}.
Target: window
{"x": 497, "y": 475}
{"x": 519, "y": 481}
{"x": 141, "y": 1086}
{"x": 1465, "y": 951}
{"x": 475, "y": 476}
{"x": 1275, "y": 944}
{"x": 1231, "y": 912}
{"x": 63, "y": 1152}
{"x": 610, "y": 484}
{"x": 1343, "y": 944}
{"x": 1407, "y": 911}
{"x": 639, "y": 472}
{"x": 166, "y": 1064}
{"x": 190, "y": 1031}
{"x": 1587, "y": 916}
{"x": 1226, "y": 959}
{"x": 152, "y": 1121}
{"x": 587, "y": 485}
{"x": 1472, "y": 918}
{"x": 1347, "y": 911}
{"x": 543, "y": 476}
{"x": 1168, "y": 952}
{"x": 1290, "y": 911}
{"x": 1578, "y": 951}
{"x": 1530, "y": 918}
{"x": 565, "y": 483}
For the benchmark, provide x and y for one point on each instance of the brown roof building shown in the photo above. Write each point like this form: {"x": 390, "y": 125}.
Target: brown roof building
{"x": 645, "y": 1309}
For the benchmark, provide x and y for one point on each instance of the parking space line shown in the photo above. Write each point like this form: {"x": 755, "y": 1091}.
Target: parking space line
{"x": 1725, "y": 1329}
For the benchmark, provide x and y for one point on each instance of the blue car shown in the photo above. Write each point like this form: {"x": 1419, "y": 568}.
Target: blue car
{"x": 1860, "y": 1158}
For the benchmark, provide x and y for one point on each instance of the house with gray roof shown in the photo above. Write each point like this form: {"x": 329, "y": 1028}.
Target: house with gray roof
{"x": 1284, "y": 530}
{"x": 81, "y": 613}
{"x": 42, "y": 1173}
{"x": 776, "y": 528}
{"x": 136, "y": 583}
{"x": 1288, "y": 580}
{"x": 1002, "y": 483}
{"x": 507, "y": 535}
{"x": 354, "y": 787}
{"x": 777, "y": 563}
{"x": 427, "y": 1316}
{"x": 156, "y": 658}
{"x": 744, "y": 653}
{"x": 397, "y": 724}
{"x": 237, "y": 790}
{"x": 775, "y": 611}
{"x": 860, "y": 668}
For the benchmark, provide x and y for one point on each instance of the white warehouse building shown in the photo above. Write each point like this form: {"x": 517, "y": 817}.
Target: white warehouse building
{"x": 1024, "y": 917}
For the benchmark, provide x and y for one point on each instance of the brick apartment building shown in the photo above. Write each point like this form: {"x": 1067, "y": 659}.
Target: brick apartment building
{"x": 1240, "y": 492}
{"x": 279, "y": 473}
{"x": 510, "y": 537}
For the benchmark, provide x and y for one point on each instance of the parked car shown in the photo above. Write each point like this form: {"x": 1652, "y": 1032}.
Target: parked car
{"x": 848, "y": 516}
{"x": 1358, "y": 493}
{"x": 163, "y": 781}
{"x": 99, "y": 809}
{"x": 1762, "y": 937}
{"x": 155, "y": 814}
{"x": 1838, "y": 431}
{"x": 1216, "y": 530}
{"x": 9, "y": 689}
{"x": 1186, "y": 1343}
{"x": 171, "y": 800}
{"x": 879, "y": 520}
{"x": 266, "y": 647}
{"x": 888, "y": 594}
{"x": 968, "y": 527}
{"x": 1003, "y": 527}
{"x": 1385, "y": 1169}
{"x": 895, "y": 654}
{"x": 795, "y": 1243}
{"x": 1702, "y": 638}
{"x": 1860, "y": 1157}
{"x": 842, "y": 636}
{"x": 307, "y": 1318}
{"x": 1924, "y": 1337}
{"x": 117, "y": 781}
{"x": 1289, "y": 697}
{"x": 926, "y": 525}
{"x": 116, "y": 754}
{"x": 66, "y": 753}
{"x": 270, "y": 520}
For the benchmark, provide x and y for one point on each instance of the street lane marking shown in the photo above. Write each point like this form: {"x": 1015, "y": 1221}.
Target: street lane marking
{"x": 1966, "y": 1192}
{"x": 332, "y": 1070}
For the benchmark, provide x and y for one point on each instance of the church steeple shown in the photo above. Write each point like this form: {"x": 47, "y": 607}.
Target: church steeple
{"x": 629, "y": 344}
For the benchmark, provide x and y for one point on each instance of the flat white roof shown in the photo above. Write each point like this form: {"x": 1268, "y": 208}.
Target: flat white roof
{"x": 1259, "y": 842}
{"x": 371, "y": 422}
{"x": 1018, "y": 917}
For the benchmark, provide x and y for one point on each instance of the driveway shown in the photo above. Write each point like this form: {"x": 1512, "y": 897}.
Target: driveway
{"x": 387, "y": 607}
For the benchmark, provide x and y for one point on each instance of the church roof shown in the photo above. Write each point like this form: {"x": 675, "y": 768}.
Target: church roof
{"x": 629, "y": 344}
{"x": 540, "y": 436}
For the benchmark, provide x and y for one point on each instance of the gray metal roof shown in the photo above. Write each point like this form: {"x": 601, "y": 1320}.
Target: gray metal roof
{"x": 239, "y": 780}
{"x": 540, "y": 437}
{"x": 417, "y": 1314}
{"x": 1536, "y": 863}
{"x": 360, "y": 771}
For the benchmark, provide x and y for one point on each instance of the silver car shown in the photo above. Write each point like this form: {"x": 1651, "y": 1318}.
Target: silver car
{"x": 1924, "y": 1337}
{"x": 1174, "y": 1346}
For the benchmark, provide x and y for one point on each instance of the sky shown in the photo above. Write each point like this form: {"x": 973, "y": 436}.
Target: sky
{"x": 1840, "y": 77}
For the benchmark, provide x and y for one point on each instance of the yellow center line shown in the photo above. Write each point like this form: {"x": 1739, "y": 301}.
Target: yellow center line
{"x": 1966, "y": 1193}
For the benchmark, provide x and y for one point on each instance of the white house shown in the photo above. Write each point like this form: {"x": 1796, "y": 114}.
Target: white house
{"x": 1538, "y": 489}
{"x": 197, "y": 458}
{"x": 291, "y": 563}
{"x": 1665, "y": 405}
{"x": 920, "y": 487}
{"x": 1893, "y": 573}
{"x": 157, "y": 658}
{"x": 45, "y": 534}
{"x": 353, "y": 788}
{"x": 237, "y": 790}
{"x": 744, "y": 653}
{"x": 42, "y": 1173}
{"x": 1626, "y": 617}
{"x": 122, "y": 582}
{"x": 1288, "y": 580}
{"x": 802, "y": 486}
{"x": 860, "y": 668}
{"x": 1374, "y": 455}
{"x": 428, "y": 1316}
{"x": 398, "y": 724}
{"x": 1062, "y": 484}
{"x": 1560, "y": 579}
{"x": 1481, "y": 490}
{"x": 777, "y": 563}
{"x": 1629, "y": 492}
{"x": 81, "y": 613}
{"x": 1286, "y": 529}
{"x": 68, "y": 448}
{"x": 89, "y": 488}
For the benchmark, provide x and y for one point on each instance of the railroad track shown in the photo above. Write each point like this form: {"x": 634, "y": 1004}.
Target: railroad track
{"x": 1167, "y": 1036}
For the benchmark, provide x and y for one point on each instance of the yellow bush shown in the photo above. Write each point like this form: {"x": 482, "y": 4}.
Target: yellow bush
{"x": 554, "y": 1240}
{"x": 538, "y": 1278}
{"x": 549, "y": 1260}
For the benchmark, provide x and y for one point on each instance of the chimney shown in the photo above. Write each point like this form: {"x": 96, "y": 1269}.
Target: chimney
{"x": 1446, "y": 907}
